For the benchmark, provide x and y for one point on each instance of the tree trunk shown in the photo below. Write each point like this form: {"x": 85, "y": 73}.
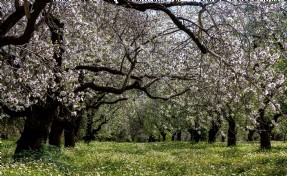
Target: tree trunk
{"x": 36, "y": 130}
{"x": 197, "y": 136}
{"x": 265, "y": 142}
{"x": 212, "y": 132}
{"x": 151, "y": 138}
{"x": 89, "y": 130}
{"x": 250, "y": 135}
{"x": 173, "y": 136}
{"x": 163, "y": 134}
{"x": 77, "y": 125}
{"x": 264, "y": 131}
{"x": 69, "y": 138}
{"x": 56, "y": 133}
{"x": 190, "y": 130}
{"x": 194, "y": 136}
{"x": 231, "y": 135}
{"x": 178, "y": 135}
{"x": 223, "y": 138}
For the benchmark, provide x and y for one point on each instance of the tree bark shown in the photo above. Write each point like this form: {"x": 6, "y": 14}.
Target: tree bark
{"x": 231, "y": 134}
{"x": 36, "y": 130}
{"x": 250, "y": 135}
{"x": 89, "y": 134}
{"x": 194, "y": 135}
{"x": 265, "y": 142}
{"x": 264, "y": 131}
{"x": 69, "y": 138}
{"x": 212, "y": 132}
{"x": 78, "y": 124}
{"x": 163, "y": 135}
{"x": 178, "y": 135}
{"x": 215, "y": 126}
{"x": 173, "y": 136}
{"x": 223, "y": 138}
{"x": 56, "y": 133}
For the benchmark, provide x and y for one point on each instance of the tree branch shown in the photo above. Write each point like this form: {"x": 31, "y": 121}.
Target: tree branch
{"x": 38, "y": 6}
{"x": 13, "y": 113}
{"x": 106, "y": 69}
{"x": 164, "y": 7}
{"x": 11, "y": 21}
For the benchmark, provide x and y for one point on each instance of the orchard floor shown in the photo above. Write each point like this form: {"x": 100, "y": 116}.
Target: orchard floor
{"x": 171, "y": 158}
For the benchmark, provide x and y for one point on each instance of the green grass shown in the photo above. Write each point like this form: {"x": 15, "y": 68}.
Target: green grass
{"x": 172, "y": 158}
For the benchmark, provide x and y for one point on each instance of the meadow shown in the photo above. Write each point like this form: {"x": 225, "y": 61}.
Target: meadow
{"x": 169, "y": 158}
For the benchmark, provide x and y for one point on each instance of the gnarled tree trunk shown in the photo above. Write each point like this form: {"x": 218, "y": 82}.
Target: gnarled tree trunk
{"x": 36, "y": 129}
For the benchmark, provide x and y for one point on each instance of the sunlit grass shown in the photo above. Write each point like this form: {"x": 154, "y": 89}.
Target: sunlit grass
{"x": 172, "y": 158}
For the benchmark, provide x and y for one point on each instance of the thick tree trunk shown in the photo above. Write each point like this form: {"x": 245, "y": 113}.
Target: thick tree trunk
{"x": 56, "y": 133}
{"x": 250, "y": 135}
{"x": 265, "y": 142}
{"x": 264, "y": 131}
{"x": 231, "y": 134}
{"x": 36, "y": 130}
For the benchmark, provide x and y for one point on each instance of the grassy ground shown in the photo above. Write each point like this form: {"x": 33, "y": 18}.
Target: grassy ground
{"x": 178, "y": 158}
